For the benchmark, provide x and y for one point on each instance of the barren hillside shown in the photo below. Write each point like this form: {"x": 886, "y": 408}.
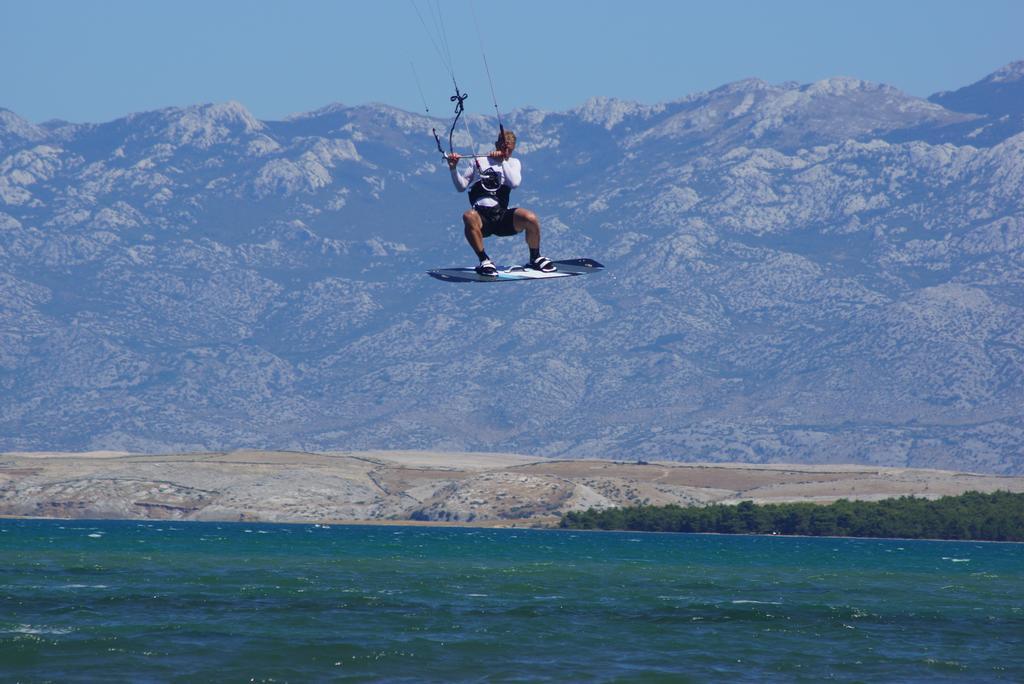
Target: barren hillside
{"x": 278, "y": 486}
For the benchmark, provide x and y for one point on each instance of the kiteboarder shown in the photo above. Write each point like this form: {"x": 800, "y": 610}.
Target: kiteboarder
{"x": 490, "y": 185}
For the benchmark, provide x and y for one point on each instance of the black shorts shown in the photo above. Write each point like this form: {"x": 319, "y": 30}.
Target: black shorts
{"x": 497, "y": 221}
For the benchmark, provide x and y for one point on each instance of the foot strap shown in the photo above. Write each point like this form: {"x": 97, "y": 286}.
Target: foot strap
{"x": 542, "y": 264}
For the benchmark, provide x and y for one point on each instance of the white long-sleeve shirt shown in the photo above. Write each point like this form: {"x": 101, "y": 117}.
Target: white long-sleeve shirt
{"x": 510, "y": 171}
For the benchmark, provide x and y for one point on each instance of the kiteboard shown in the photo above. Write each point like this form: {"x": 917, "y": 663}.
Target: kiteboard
{"x": 567, "y": 268}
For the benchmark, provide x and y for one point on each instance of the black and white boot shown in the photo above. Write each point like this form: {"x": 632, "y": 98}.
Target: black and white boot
{"x": 487, "y": 268}
{"x": 542, "y": 263}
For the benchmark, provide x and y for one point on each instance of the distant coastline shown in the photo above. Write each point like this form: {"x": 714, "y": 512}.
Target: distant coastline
{"x": 426, "y": 488}
{"x": 551, "y": 524}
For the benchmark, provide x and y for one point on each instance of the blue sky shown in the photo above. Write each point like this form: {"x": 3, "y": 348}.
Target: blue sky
{"x": 96, "y": 61}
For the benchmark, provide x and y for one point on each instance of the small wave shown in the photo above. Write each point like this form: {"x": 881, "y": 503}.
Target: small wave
{"x": 956, "y": 560}
{"x": 764, "y": 603}
{"x": 95, "y": 535}
{"x": 477, "y": 595}
{"x": 951, "y": 664}
{"x": 39, "y": 630}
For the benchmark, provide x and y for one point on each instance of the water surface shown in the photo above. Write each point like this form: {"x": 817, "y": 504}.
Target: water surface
{"x": 147, "y": 601}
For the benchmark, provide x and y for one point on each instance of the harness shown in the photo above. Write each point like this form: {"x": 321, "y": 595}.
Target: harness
{"x": 489, "y": 185}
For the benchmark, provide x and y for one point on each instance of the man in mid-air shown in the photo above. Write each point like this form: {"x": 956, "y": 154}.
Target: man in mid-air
{"x": 489, "y": 187}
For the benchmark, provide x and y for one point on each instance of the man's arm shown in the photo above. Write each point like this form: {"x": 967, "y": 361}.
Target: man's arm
{"x": 461, "y": 181}
{"x": 513, "y": 172}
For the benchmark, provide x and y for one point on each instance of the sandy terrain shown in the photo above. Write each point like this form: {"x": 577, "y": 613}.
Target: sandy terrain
{"x": 482, "y": 489}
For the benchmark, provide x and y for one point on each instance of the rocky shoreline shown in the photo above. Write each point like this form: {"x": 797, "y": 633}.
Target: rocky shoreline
{"x": 395, "y": 486}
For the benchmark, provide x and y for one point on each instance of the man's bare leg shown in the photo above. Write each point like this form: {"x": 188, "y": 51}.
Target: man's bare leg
{"x": 474, "y": 229}
{"x": 526, "y": 221}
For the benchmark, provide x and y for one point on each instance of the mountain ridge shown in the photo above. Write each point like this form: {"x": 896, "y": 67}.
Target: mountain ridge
{"x": 830, "y": 273}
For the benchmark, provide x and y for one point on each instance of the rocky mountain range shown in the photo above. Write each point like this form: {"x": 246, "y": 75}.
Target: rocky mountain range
{"x": 817, "y": 273}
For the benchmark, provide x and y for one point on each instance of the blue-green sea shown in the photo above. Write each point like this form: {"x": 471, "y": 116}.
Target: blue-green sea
{"x": 172, "y": 601}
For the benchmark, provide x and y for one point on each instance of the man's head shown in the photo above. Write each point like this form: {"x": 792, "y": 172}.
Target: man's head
{"x": 506, "y": 141}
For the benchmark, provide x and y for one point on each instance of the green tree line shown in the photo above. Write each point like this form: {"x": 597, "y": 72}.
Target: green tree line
{"x": 998, "y": 516}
